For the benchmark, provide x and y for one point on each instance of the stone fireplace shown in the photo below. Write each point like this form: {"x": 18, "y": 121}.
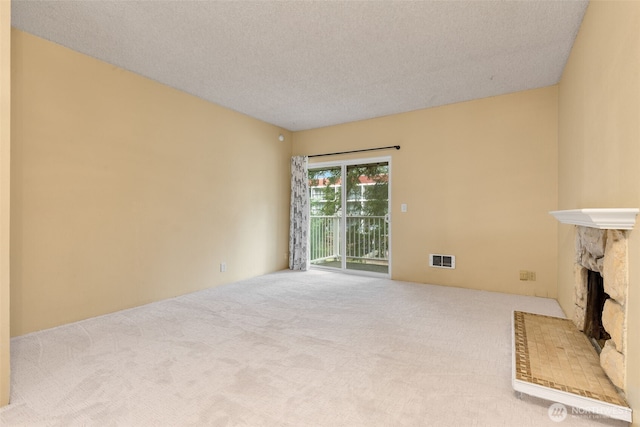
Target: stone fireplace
{"x": 601, "y": 247}
{"x": 605, "y": 252}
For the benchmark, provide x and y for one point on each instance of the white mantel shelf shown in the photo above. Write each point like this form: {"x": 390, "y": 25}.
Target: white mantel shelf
{"x": 604, "y": 218}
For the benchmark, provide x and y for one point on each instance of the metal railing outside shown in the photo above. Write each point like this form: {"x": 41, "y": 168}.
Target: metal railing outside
{"x": 367, "y": 238}
{"x": 324, "y": 242}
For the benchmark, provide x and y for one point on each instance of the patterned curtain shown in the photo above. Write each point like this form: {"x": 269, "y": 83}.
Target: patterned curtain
{"x": 299, "y": 215}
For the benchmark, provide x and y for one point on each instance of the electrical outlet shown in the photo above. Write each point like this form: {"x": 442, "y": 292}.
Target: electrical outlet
{"x": 223, "y": 267}
{"x": 526, "y": 275}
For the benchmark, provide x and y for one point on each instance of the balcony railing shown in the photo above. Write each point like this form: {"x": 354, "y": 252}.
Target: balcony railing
{"x": 367, "y": 238}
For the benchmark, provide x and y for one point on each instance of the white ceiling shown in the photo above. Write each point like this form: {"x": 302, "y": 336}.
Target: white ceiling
{"x": 303, "y": 65}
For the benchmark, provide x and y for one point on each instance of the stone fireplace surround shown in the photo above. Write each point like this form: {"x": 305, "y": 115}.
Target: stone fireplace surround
{"x": 604, "y": 251}
{"x": 601, "y": 245}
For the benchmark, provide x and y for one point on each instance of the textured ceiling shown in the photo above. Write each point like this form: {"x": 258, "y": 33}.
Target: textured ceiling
{"x": 303, "y": 65}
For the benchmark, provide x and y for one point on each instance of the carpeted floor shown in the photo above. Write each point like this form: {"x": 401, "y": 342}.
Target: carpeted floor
{"x": 286, "y": 349}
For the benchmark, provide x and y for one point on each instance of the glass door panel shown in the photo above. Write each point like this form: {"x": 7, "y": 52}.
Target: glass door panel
{"x": 325, "y": 238}
{"x": 367, "y": 217}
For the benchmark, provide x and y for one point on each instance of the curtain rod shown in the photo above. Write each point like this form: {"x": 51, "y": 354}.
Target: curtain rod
{"x": 397, "y": 147}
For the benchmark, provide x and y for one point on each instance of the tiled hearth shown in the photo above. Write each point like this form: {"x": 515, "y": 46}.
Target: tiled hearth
{"x": 553, "y": 360}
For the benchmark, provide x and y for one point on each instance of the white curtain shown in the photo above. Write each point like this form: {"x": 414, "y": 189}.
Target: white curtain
{"x": 299, "y": 215}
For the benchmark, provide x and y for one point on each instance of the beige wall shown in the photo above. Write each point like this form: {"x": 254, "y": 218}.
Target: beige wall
{"x": 478, "y": 179}
{"x": 5, "y": 163}
{"x": 125, "y": 191}
{"x": 599, "y": 144}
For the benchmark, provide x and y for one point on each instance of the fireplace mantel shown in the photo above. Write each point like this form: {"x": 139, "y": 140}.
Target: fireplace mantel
{"x": 602, "y": 218}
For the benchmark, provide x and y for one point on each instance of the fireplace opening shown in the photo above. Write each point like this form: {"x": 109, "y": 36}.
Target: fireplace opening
{"x": 596, "y": 297}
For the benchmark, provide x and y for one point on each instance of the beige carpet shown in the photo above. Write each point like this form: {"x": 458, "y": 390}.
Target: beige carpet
{"x": 285, "y": 349}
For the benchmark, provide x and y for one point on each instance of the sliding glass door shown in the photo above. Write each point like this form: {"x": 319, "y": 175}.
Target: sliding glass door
{"x": 350, "y": 227}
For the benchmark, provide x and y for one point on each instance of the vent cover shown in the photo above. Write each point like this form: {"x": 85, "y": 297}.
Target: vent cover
{"x": 442, "y": 261}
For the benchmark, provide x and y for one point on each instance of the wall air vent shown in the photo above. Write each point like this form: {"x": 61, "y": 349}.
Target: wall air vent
{"x": 442, "y": 261}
